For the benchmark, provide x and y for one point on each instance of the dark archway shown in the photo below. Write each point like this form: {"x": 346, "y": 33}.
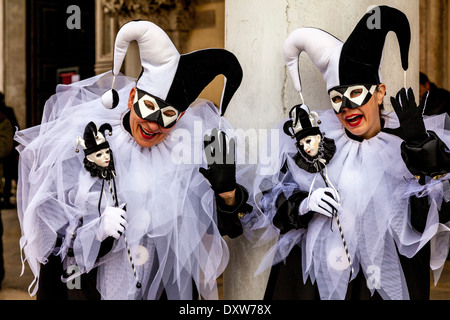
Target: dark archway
{"x": 60, "y": 41}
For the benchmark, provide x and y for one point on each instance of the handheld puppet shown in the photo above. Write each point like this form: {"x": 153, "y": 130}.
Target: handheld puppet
{"x": 314, "y": 152}
{"x": 314, "y": 149}
{"x": 99, "y": 162}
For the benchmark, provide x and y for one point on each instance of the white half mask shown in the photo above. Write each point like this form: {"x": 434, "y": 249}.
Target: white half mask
{"x": 351, "y": 96}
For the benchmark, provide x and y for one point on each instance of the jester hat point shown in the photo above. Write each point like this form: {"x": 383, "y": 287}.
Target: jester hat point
{"x": 355, "y": 61}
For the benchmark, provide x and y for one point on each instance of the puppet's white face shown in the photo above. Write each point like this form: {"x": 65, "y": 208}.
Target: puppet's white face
{"x": 100, "y": 157}
{"x": 311, "y": 144}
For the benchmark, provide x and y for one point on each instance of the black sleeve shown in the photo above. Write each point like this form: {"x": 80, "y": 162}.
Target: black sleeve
{"x": 287, "y": 216}
{"x": 228, "y": 220}
{"x": 419, "y": 212}
{"x": 431, "y": 158}
{"x": 105, "y": 246}
{"x": 444, "y": 214}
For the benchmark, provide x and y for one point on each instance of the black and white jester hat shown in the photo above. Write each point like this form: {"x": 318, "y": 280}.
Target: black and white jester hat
{"x": 174, "y": 81}
{"x": 94, "y": 139}
{"x": 303, "y": 122}
{"x": 355, "y": 62}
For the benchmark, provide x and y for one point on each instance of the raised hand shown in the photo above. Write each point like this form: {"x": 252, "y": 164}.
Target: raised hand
{"x": 220, "y": 155}
{"x": 410, "y": 115}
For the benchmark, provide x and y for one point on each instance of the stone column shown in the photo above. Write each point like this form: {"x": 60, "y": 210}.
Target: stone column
{"x": 255, "y": 31}
{"x": 14, "y": 55}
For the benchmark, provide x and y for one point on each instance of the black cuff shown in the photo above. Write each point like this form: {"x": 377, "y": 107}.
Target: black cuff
{"x": 241, "y": 202}
{"x": 430, "y": 158}
{"x": 228, "y": 216}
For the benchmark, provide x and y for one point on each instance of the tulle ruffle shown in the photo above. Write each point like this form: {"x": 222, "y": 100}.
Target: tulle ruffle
{"x": 172, "y": 231}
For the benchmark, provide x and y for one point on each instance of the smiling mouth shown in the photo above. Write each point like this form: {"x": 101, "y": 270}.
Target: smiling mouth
{"x": 146, "y": 134}
{"x": 354, "y": 120}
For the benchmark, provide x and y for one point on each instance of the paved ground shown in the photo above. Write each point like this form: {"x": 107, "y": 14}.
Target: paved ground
{"x": 14, "y": 286}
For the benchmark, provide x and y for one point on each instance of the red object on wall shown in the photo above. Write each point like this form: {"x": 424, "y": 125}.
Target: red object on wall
{"x": 66, "y": 77}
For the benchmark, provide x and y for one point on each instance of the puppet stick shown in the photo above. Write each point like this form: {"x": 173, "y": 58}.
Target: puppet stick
{"x": 301, "y": 96}
{"x": 404, "y": 79}
{"x": 138, "y": 284}
{"x": 339, "y": 226}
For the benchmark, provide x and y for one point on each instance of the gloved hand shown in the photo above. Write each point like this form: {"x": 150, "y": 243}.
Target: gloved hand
{"x": 220, "y": 155}
{"x": 412, "y": 129}
{"x": 112, "y": 223}
{"x": 322, "y": 201}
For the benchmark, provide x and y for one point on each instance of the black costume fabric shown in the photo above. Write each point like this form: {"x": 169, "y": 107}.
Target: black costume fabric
{"x": 396, "y": 226}
{"x": 359, "y": 64}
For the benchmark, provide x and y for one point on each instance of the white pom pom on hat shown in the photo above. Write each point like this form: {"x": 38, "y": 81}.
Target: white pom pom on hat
{"x": 110, "y": 99}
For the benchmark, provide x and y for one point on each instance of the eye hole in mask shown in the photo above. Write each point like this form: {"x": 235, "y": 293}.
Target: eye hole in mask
{"x": 351, "y": 96}
{"x": 149, "y": 105}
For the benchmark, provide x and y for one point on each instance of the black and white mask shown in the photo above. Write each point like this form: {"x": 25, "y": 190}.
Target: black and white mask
{"x": 350, "y": 96}
{"x": 151, "y": 108}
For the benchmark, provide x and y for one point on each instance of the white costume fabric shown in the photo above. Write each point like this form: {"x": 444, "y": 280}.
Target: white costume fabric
{"x": 374, "y": 186}
{"x": 170, "y": 206}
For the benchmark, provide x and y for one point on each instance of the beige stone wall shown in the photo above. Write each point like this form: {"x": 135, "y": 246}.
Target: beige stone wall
{"x": 209, "y": 32}
{"x": 14, "y": 57}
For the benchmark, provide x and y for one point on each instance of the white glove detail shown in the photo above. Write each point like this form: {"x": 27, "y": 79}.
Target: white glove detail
{"x": 113, "y": 223}
{"x": 322, "y": 201}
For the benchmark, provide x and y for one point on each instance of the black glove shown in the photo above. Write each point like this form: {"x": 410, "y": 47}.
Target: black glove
{"x": 412, "y": 129}
{"x": 220, "y": 155}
